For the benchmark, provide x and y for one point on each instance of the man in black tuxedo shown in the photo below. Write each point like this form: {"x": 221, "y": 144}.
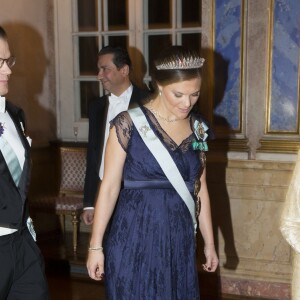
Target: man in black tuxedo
{"x": 114, "y": 68}
{"x": 21, "y": 265}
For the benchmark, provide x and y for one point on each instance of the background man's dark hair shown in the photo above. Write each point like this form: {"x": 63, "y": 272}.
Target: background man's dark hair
{"x": 121, "y": 56}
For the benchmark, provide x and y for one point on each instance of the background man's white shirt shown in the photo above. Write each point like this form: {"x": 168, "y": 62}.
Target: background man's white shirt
{"x": 116, "y": 105}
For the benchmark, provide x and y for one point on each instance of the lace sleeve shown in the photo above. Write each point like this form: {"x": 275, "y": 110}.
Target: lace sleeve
{"x": 124, "y": 126}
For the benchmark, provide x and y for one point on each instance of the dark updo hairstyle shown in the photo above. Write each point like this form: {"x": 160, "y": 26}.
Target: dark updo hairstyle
{"x": 120, "y": 56}
{"x": 3, "y": 34}
{"x": 166, "y": 71}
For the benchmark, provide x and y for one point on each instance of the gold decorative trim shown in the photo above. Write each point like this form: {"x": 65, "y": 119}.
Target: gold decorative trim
{"x": 242, "y": 66}
{"x": 279, "y": 146}
{"x": 72, "y": 149}
{"x": 213, "y": 27}
{"x": 269, "y": 67}
{"x": 235, "y": 145}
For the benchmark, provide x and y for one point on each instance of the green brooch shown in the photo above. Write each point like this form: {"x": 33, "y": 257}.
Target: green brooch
{"x": 200, "y": 132}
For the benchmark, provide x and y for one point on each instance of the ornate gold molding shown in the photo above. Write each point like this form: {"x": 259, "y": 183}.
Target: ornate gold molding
{"x": 235, "y": 145}
{"x": 269, "y": 66}
{"x": 279, "y": 146}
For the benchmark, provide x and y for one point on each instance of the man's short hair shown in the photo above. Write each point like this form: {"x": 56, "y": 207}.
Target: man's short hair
{"x": 120, "y": 56}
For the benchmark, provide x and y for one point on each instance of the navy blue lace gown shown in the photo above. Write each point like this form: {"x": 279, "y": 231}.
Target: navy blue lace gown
{"x": 150, "y": 246}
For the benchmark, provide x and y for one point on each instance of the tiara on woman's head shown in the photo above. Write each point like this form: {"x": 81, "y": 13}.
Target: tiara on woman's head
{"x": 182, "y": 64}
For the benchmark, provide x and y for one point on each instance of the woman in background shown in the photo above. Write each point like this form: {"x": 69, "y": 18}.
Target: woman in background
{"x": 290, "y": 225}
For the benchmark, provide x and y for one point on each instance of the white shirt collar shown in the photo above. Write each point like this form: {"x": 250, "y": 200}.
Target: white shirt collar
{"x": 2, "y": 104}
{"x": 125, "y": 95}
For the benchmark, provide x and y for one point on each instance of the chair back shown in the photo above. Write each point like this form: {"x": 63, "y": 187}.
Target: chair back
{"x": 73, "y": 167}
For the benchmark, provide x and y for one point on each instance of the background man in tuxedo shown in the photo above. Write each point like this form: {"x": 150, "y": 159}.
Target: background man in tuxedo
{"x": 21, "y": 265}
{"x": 114, "y": 66}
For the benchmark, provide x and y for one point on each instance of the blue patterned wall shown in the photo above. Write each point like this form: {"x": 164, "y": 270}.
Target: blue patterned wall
{"x": 228, "y": 31}
{"x": 283, "y": 102}
{"x": 284, "y": 94}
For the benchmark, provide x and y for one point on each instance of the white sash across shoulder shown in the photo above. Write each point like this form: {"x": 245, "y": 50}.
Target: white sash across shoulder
{"x": 164, "y": 159}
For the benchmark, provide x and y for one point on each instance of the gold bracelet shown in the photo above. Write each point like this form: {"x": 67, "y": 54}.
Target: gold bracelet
{"x": 95, "y": 248}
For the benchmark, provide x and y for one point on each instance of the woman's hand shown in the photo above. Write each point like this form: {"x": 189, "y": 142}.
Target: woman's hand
{"x": 212, "y": 260}
{"x": 95, "y": 265}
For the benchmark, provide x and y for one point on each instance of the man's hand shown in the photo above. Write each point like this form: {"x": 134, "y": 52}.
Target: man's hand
{"x": 88, "y": 216}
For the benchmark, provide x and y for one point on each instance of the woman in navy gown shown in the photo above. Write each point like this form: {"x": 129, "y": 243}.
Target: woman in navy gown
{"x": 148, "y": 249}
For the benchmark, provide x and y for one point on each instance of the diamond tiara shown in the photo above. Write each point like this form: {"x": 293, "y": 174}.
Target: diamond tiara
{"x": 182, "y": 64}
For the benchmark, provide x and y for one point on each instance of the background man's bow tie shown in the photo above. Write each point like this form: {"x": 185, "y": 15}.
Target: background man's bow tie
{"x": 116, "y": 100}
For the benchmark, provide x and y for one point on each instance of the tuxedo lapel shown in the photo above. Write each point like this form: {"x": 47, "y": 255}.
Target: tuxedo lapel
{"x": 103, "y": 116}
{"x": 18, "y": 119}
{"x": 20, "y": 126}
{"x": 101, "y": 124}
{"x": 3, "y": 165}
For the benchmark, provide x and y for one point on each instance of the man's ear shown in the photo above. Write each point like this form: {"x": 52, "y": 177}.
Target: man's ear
{"x": 125, "y": 70}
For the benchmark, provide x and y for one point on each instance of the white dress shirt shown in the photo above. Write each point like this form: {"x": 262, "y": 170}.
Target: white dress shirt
{"x": 116, "y": 105}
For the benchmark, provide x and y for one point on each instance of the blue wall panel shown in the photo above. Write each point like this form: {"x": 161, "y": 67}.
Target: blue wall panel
{"x": 284, "y": 83}
{"x": 228, "y": 45}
